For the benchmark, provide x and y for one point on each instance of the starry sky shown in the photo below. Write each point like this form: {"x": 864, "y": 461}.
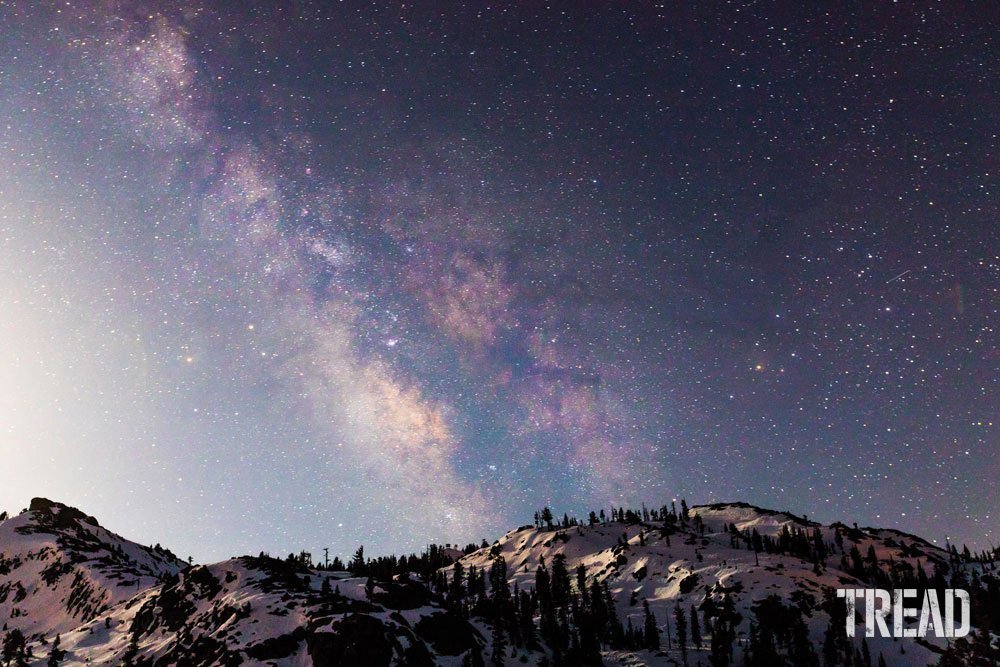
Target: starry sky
{"x": 331, "y": 273}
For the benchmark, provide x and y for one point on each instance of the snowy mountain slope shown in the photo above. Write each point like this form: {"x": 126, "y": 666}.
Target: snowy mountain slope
{"x": 255, "y": 610}
{"x": 83, "y": 595}
{"x": 59, "y": 568}
{"x": 110, "y": 601}
{"x": 701, "y": 559}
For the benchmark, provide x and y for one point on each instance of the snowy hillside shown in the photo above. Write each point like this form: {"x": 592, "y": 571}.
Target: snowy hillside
{"x": 114, "y": 602}
{"x": 696, "y": 563}
{"x": 59, "y": 568}
{"x": 256, "y": 610}
{"x": 738, "y": 584}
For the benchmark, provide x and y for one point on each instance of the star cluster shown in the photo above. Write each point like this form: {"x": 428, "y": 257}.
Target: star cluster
{"x": 291, "y": 275}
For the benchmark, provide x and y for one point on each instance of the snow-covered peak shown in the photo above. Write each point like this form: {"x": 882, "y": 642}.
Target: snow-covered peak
{"x": 111, "y": 601}
{"x": 747, "y": 517}
{"x": 727, "y": 550}
{"x": 60, "y": 568}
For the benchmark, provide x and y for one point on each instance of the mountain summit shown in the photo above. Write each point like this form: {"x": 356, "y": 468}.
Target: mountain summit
{"x": 59, "y": 569}
{"x": 711, "y": 585}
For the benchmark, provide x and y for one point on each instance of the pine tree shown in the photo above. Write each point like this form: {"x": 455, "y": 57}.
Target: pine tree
{"x": 526, "y": 623}
{"x": 13, "y": 647}
{"x": 357, "y": 564}
{"x": 800, "y": 650}
{"x": 587, "y": 648}
{"x": 695, "y": 629}
{"x": 751, "y": 654}
{"x": 128, "y": 658}
{"x": 761, "y": 647}
{"x": 560, "y": 580}
{"x": 548, "y": 624}
{"x": 499, "y": 655}
{"x": 55, "y": 655}
{"x": 680, "y": 625}
{"x": 617, "y": 632}
{"x": 651, "y": 633}
{"x": 723, "y": 632}
{"x": 857, "y": 564}
{"x": 473, "y": 658}
{"x": 581, "y": 581}
{"x": 831, "y": 656}
{"x": 498, "y": 579}
{"x": 721, "y": 646}
{"x": 456, "y": 590}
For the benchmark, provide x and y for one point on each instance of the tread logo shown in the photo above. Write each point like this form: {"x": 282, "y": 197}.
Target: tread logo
{"x": 879, "y": 603}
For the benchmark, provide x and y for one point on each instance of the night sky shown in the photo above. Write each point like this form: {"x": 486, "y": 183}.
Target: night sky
{"x": 335, "y": 273}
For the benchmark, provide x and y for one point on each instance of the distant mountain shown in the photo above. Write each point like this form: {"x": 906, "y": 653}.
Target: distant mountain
{"x": 759, "y": 583}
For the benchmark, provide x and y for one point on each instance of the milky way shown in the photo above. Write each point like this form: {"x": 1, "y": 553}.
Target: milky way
{"x": 320, "y": 275}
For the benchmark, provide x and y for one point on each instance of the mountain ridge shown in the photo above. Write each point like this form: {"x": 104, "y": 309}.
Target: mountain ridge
{"x": 72, "y": 592}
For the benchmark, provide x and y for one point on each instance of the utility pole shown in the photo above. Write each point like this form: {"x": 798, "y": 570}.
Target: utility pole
{"x": 326, "y": 558}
